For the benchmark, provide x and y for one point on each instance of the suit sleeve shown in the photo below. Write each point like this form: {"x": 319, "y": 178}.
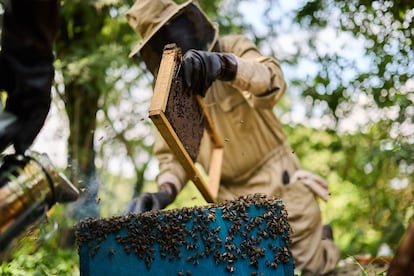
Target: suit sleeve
{"x": 170, "y": 169}
{"x": 259, "y": 77}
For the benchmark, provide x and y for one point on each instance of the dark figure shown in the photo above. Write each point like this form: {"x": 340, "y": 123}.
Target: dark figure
{"x": 26, "y": 69}
{"x": 29, "y": 183}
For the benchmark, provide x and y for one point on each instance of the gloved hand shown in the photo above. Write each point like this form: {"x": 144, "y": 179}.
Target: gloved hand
{"x": 314, "y": 182}
{"x": 201, "y": 68}
{"x": 153, "y": 201}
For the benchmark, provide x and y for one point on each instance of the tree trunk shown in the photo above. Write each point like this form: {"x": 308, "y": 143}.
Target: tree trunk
{"x": 81, "y": 108}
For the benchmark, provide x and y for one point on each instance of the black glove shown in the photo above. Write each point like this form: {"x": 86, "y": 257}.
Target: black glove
{"x": 153, "y": 201}
{"x": 26, "y": 67}
{"x": 201, "y": 68}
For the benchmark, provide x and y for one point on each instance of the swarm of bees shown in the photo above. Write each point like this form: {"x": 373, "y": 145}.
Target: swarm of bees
{"x": 251, "y": 229}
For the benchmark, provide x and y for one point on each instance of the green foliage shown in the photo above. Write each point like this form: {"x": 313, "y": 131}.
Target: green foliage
{"x": 42, "y": 262}
{"x": 366, "y": 208}
{"x": 38, "y": 251}
{"x": 384, "y": 28}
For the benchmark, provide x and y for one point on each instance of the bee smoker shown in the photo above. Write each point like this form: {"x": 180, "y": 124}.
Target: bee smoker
{"x": 29, "y": 186}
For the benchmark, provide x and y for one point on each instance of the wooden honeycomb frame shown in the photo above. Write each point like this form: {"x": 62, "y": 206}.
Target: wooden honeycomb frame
{"x": 188, "y": 110}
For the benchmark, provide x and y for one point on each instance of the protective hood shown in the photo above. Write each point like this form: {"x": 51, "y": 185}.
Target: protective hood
{"x": 147, "y": 17}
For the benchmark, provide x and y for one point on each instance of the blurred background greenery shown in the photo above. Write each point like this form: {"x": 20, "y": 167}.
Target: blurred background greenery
{"x": 348, "y": 114}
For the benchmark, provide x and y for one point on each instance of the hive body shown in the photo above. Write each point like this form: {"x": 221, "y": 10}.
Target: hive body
{"x": 247, "y": 236}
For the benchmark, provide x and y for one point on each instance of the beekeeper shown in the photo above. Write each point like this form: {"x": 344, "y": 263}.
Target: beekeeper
{"x": 240, "y": 87}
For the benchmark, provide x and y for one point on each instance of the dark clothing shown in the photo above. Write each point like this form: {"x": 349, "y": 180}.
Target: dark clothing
{"x": 26, "y": 68}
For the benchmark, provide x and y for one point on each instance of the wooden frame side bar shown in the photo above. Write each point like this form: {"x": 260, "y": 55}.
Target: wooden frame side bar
{"x": 166, "y": 130}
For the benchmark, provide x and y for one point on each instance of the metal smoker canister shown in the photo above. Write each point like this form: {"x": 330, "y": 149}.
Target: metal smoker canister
{"x": 29, "y": 186}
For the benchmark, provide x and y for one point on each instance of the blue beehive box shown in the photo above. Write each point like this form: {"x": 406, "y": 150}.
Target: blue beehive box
{"x": 247, "y": 236}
